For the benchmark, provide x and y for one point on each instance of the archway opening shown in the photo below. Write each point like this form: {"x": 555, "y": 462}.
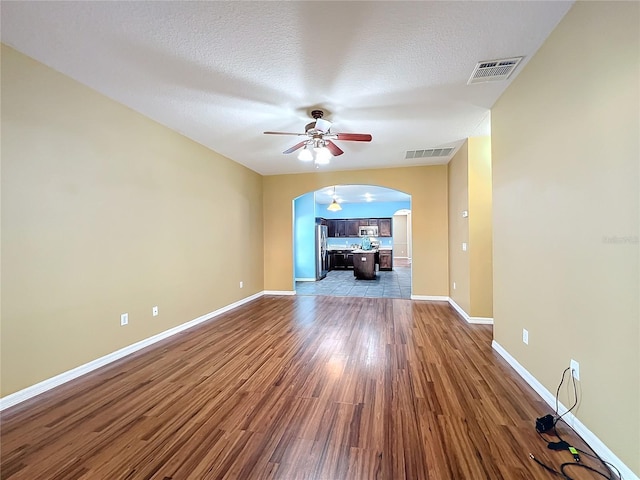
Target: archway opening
{"x": 331, "y": 246}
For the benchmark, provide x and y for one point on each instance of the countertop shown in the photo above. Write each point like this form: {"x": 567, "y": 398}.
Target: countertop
{"x": 358, "y": 250}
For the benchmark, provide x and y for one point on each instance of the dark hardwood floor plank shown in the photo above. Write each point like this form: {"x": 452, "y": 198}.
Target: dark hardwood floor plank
{"x": 292, "y": 388}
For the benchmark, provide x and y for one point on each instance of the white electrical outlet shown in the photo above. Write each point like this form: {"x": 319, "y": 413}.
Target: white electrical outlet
{"x": 525, "y": 336}
{"x": 124, "y": 319}
{"x": 155, "y": 311}
{"x": 241, "y": 284}
{"x": 454, "y": 285}
{"x": 464, "y": 247}
{"x": 575, "y": 369}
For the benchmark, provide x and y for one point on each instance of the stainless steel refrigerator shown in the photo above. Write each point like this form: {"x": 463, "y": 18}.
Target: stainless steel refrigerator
{"x": 322, "y": 258}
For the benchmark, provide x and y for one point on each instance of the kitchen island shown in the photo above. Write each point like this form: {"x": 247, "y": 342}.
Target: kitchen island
{"x": 364, "y": 264}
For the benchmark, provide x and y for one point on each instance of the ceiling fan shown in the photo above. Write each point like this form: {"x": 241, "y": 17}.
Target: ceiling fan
{"x": 320, "y": 139}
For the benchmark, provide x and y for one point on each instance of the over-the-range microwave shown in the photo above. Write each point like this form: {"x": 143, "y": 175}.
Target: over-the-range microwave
{"x": 370, "y": 231}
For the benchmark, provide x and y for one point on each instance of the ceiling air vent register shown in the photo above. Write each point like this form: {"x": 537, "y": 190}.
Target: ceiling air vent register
{"x": 429, "y": 152}
{"x": 494, "y": 70}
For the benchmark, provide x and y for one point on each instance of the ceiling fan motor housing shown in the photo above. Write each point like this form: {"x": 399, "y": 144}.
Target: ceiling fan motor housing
{"x": 316, "y": 114}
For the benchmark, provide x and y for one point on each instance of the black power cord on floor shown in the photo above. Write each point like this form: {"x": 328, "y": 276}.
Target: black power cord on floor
{"x": 593, "y": 455}
{"x": 547, "y": 425}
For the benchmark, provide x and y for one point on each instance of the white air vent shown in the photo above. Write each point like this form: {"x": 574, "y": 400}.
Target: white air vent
{"x": 430, "y": 152}
{"x": 494, "y": 70}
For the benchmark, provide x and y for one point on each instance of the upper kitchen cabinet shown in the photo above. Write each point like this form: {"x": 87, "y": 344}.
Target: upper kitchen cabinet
{"x": 337, "y": 228}
{"x": 384, "y": 227}
{"x": 352, "y": 227}
{"x": 331, "y": 228}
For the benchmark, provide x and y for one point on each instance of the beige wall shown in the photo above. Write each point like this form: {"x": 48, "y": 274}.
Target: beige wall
{"x": 105, "y": 212}
{"x": 400, "y": 244}
{"x": 566, "y": 162}
{"x": 428, "y": 189}
{"x": 459, "y": 228}
{"x": 480, "y": 228}
{"x": 470, "y": 191}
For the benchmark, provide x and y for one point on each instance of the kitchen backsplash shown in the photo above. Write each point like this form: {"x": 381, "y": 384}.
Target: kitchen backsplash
{"x": 345, "y": 242}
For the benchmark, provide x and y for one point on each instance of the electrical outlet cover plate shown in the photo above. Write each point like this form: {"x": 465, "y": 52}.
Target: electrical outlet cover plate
{"x": 124, "y": 319}
{"x": 525, "y": 336}
{"x": 575, "y": 369}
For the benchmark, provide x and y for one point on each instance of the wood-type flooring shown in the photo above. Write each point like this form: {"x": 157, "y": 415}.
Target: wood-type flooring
{"x": 291, "y": 388}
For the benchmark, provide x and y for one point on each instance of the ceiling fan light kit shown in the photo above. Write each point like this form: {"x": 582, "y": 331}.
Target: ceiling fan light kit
{"x": 305, "y": 154}
{"x": 320, "y": 140}
{"x": 323, "y": 156}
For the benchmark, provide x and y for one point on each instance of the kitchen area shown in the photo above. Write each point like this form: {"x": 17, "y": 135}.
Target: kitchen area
{"x": 362, "y": 251}
{"x": 353, "y": 250}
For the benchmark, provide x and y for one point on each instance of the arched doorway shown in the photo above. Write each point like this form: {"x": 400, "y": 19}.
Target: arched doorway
{"x": 364, "y": 218}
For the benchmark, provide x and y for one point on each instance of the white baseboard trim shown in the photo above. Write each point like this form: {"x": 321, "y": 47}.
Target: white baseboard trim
{"x": 431, "y": 298}
{"x": 279, "y": 292}
{"x": 305, "y": 279}
{"x": 576, "y": 424}
{"x": 45, "y": 385}
{"x": 481, "y": 320}
{"x": 463, "y": 314}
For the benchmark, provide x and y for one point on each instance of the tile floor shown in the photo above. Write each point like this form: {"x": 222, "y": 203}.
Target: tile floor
{"x": 342, "y": 283}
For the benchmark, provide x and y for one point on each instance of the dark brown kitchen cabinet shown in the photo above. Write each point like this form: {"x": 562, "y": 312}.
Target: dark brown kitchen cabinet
{"x": 385, "y": 259}
{"x": 349, "y": 260}
{"x": 384, "y": 227}
{"x": 352, "y": 228}
{"x": 336, "y": 228}
{"x": 340, "y": 259}
{"x": 331, "y": 228}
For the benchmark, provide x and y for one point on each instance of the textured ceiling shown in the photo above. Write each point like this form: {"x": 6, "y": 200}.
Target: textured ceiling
{"x": 359, "y": 194}
{"x": 221, "y": 73}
